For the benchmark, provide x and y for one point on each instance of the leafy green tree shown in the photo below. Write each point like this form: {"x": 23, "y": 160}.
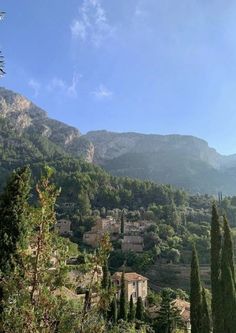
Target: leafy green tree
{"x": 131, "y": 314}
{"x": 139, "y": 309}
{"x": 84, "y": 204}
{"x": 216, "y": 240}
{"x": 195, "y": 294}
{"x": 228, "y": 308}
{"x": 205, "y": 317}
{"x": 123, "y": 305}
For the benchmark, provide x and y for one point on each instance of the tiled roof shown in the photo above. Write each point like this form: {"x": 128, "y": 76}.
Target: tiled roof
{"x": 130, "y": 276}
{"x": 184, "y": 308}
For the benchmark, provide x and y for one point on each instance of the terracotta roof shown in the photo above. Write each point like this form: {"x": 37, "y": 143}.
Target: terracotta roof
{"x": 130, "y": 276}
{"x": 184, "y": 308}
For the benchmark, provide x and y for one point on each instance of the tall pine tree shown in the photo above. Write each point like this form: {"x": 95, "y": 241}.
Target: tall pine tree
{"x": 205, "y": 318}
{"x": 195, "y": 294}
{"x": 123, "y": 305}
{"x": 169, "y": 318}
{"x": 113, "y": 311}
{"x": 13, "y": 223}
{"x": 13, "y": 217}
{"x": 122, "y": 223}
{"x": 228, "y": 306}
{"x": 139, "y": 309}
{"x": 131, "y": 315}
{"x": 216, "y": 240}
{"x": 106, "y": 276}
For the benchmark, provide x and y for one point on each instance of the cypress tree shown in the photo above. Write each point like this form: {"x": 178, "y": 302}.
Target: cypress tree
{"x": 106, "y": 275}
{"x": 228, "y": 306}
{"x": 123, "y": 305}
{"x": 216, "y": 243}
{"x": 122, "y": 223}
{"x": 113, "y": 311}
{"x": 139, "y": 309}
{"x": 131, "y": 315}
{"x": 13, "y": 219}
{"x": 205, "y": 318}
{"x": 13, "y": 223}
{"x": 195, "y": 294}
{"x": 229, "y": 251}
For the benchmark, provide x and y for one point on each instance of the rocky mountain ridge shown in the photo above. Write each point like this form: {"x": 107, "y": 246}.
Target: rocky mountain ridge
{"x": 28, "y": 134}
{"x": 25, "y": 118}
{"x": 109, "y": 145}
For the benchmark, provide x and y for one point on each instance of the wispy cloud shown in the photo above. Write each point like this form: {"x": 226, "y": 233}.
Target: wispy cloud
{"x": 58, "y": 84}
{"x": 140, "y": 12}
{"x": 35, "y": 85}
{"x": 91, "y": 24}
{"x": 102, "y": 92}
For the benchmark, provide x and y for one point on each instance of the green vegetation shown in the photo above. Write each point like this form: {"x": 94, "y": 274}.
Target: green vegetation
{"x": 222, "y": 264}
{"x": 195, "y": 295}
{"x": 36, "y": 293}
{"x": 215, "y": 271}
{"x": 123, "y": 305}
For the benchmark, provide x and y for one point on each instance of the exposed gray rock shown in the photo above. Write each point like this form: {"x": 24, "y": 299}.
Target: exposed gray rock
{"x": 26, "y": 118}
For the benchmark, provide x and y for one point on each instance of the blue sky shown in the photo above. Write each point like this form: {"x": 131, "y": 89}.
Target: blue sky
{"x": 148, "y": 66}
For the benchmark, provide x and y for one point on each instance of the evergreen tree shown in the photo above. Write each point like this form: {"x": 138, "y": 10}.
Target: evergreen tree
{"x": 122, "y": 223}
{"x": 195, "y": 294}
{"x": 169, "y": 316}
{"x": 139, "y": 309}
{"x": 113, "y": 311}
{"x": 123, "y": 305}
{"x": 13, "y": 219}
{"x": 13, "y": 222}
{"x": 205, "y": 318}
{"x": 228, "y": 307}
{"x": 216, "y": 240}
{"x": 131, "y": 315}
{"x": 106, "y": 275}
{"x": 84, "y": 204}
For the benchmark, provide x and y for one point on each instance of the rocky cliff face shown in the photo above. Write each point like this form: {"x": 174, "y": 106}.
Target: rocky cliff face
{"x": 183, "y": 161}
{"x": 109, "y": 145}
{"x": 27, "y": 134}
{"x": 25, "y": 118}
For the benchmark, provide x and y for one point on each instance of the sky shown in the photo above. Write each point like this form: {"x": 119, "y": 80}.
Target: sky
{"x": 150, "y": 66}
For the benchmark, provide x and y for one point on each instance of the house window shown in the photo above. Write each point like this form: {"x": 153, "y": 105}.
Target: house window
{"x": 134, "y": 295}
{"x": 134, "y": 284}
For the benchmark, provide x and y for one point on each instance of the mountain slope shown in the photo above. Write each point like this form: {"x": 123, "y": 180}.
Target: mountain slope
{"x": 26, "y": 133}
{"x": 184, "y": 161}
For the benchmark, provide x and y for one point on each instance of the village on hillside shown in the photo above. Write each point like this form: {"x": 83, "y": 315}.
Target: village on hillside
{"x": 136, "y": 285}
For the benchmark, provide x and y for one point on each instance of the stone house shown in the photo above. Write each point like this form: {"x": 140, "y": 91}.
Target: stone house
{"x": 63, "y": 227}
{"x": 137, "y": 227}
{"x": 132, "y": 243}
{"x": 102, "y": 226}
{"x": 135, "y": 285}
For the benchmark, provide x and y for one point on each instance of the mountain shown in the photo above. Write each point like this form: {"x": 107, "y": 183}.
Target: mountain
{"x": 28, "y": 135}
{"x": 184, "y": 161}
